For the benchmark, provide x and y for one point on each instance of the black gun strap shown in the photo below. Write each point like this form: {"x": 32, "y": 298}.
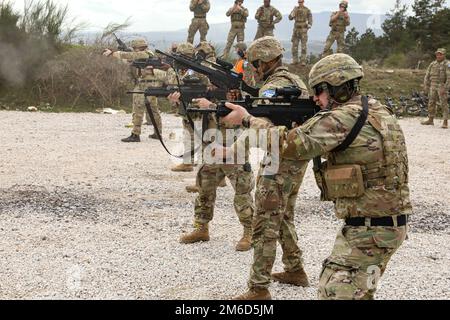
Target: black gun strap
{"x": 354, "y": 133}
{"x": 158, "y": 134}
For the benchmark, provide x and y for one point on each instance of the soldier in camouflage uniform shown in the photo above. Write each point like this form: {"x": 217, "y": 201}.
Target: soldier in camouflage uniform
{"x": 267, "y": 17}
{"x": 437, "y": 84}
{"x": 367, "y": 178}
{"x": 242, "y": 66}
{"x": 200, "y": 8}
{"x": 238, "y": 15}
{"x": 276, "y": 192}
{"x": 303, "y": 22}
{"x": 144, "y": 78}
{"x": 339, "y": 22}
{"x": 212, "y": 176}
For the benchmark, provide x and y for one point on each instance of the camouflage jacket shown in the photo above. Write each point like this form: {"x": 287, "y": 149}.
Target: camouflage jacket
{"x": 128, "y": 57}
{"x": 438, "y": 75}
{"x": 238, "y": 18}
{"x": 200, "y": 10}
{"x": 341, "y": 24}
{"x": 268, "y": 17}
{"x": 302, "y": 16}
{"x": 380, "y": 150}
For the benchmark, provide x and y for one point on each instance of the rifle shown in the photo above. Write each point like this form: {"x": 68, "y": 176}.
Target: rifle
{"x": 155, "y": 63}
{"x": 122, "y": 46}
{"x": 284, "y": 109}
{"x": 220, "y": 74}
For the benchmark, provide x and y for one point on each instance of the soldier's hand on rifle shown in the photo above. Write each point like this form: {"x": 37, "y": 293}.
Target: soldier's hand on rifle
{"x": 236, "y": 116}
{"x": 174, "y": 98}
{"x": 202, "y": 103}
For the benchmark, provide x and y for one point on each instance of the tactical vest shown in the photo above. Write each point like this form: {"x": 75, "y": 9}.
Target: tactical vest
{"x": 199, "y": 12}
{"x": 339, "y": 25}
{"x": 301, "y": 18}
{"x": 266, "y": 19}
{"x": 238, "y": 17}
{"x": 438, "y": 73}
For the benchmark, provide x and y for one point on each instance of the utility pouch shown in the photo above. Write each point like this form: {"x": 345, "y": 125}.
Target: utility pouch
{"x": 344, "y": 181}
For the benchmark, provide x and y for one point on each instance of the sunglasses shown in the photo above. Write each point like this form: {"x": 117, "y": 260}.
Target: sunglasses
{"x": 256, "y": 64}
{"x": 319, "y": 89}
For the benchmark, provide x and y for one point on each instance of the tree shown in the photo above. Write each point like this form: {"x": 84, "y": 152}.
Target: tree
{"x": 394, "y": 28}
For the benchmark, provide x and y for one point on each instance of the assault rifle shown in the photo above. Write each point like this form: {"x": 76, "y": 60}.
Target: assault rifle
{"x": 155, "y": 63}
{"x": 122, "y": 46}
{"x": 284, "y": 109}
{"x": 220, "y": 74}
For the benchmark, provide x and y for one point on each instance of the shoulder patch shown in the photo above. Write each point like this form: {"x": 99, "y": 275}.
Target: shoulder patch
{"x": 269, "y": 93}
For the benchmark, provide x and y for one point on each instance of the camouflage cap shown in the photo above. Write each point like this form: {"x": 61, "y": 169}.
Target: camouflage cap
{"x": 207, "y": 48}
{"x": 139, "y": 43}
{"x": 265, "y": 49}
{"x": 186, "y": 48}
{"x": 344, "y": 4}
{"x": 241, "y": 46}
{"x": 335, "y": 70}
{"x": 441, "y": 50}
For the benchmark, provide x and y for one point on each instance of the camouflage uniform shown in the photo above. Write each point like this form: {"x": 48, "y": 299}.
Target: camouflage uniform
{"x": 303, "y": 22}
{"x": 437, "y": 79}
{"x": 144, "y": 79}
{"x": 276, "y": 192}
{"x": 361, "y": 253}
{"x": 337, "y": 33}
{"x": 267, "y": 18}
{"x": 199, "y": 22}
{"x": 238, "y": 21}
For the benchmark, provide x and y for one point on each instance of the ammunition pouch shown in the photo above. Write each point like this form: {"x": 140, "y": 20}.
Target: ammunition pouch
{"x": 345, "y": 181}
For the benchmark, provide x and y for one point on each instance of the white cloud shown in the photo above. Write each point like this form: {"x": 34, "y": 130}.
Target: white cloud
{"x": 168, "y": 15}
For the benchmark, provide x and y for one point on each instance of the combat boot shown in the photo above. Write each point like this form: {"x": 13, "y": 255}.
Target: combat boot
{"x": 183, "y": 168}
{"x": 132, "y": 138}
{"x": 255, "y": 294}
{"x": 429, "y": 122}
{"x": 297, "y": 278}
{"x": 192, "y": 189}
{"x": 200, "y": 233}
{"x": 245, "y": 244}
{"x": 445, "y": 124}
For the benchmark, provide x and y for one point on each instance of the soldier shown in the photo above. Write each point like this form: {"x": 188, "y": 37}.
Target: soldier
{"x": 144, "y": 78}
{"x": 212, "y": 176}
{"x": 239, "y": 16}
{"x": 200, "y": 8}
{"x": 276, "y": 192}
{"x": 303, "y": 22}
{"x": 366, "y": 175}
{"x": 267, "y": 17}
{"x": 437, "y": 84}
{"x": 339, "y": 22}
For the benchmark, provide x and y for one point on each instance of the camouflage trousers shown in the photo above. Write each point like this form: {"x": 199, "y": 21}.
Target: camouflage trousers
{"x": 243, "y": 182}
{"x": 300, "y": 35}
{"x": 198, "y": 24}
{"x": 235, "y": 32}
{"x": 264, "y": 32}
{"x": 139, "y": 111}
{"x": 337, "y": 36}
{"x": 359, "y": 259}
{"x": 276, "y": 197}
{"x": 435, "y": 96}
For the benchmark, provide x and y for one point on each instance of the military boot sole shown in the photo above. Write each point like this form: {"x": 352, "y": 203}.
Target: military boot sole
{"x": 281, "y": 278}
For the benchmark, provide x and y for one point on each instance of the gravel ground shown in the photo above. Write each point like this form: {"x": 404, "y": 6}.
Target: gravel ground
{"x": 83, "y": 216}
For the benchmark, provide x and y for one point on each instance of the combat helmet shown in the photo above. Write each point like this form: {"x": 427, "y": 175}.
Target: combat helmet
{"x": 207, "y": 49}
{"x": 265, "y": 49}
{"x": 139, "y": 43}
{"x": 186, "y": 49}
{"x": 335, "y": 70}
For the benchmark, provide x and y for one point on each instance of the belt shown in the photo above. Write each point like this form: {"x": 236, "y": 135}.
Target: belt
{"x": 200, "y": 17}
{"x": 395, "y": 221}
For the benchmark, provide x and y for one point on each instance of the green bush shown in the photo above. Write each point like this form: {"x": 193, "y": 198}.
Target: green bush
{"x": 396, "y": 60}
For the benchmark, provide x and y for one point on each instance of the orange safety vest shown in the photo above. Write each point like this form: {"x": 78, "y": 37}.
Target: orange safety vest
{"x": 239, "y": 66}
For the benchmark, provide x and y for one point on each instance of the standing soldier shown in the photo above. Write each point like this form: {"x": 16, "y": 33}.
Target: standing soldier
{"x": 437, "y": 84}
{"x": 148, "y": 77}
{"x": 339, "y": 22}
{"x": 366, "y": 175}
{"x": 267, "y": 17}
{"x": 303, "y": 22}
{"x": 239, "y": 16}
{"x": 200, "y": 8}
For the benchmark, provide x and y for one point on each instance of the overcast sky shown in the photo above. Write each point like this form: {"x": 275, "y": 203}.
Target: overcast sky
{"x": 169, "y": 15}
